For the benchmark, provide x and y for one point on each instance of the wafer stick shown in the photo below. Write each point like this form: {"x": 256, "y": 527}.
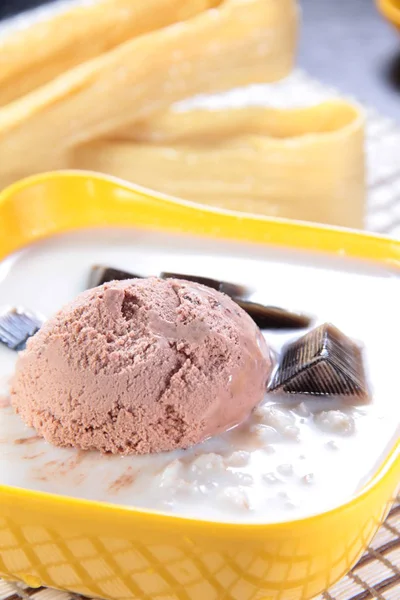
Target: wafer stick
{"x": 314, "y": 174}
{"x": 241, "y": 42}
{"x": 37, "y": 54}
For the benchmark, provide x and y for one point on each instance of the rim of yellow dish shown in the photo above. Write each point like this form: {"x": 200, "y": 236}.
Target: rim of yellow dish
{"x": 116, "y": 203}
{"x": 390, "y": 9}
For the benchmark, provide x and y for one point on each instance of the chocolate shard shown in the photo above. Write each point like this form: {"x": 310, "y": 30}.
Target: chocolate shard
{"x": 273, "y": 317}
{"x": 100, "y": 274}
{"x": 16, "y": 327}
{"x": 230, "y": 289}
{"x": 324, "y": 362}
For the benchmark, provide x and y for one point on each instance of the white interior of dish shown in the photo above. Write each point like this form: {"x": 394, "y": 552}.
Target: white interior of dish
{"x": 303, "y": 464}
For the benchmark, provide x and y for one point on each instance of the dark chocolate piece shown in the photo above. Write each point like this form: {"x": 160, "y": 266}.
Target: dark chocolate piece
{"x": 230, "y": 289}
{"x": 324, "y": 362}
{"x": 273, "y": 317}
{"x": 16, "y": 327}
{"x": 100, "y": 274}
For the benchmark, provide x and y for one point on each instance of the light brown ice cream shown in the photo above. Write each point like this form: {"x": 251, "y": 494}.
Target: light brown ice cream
{"x": 141, "y": 366}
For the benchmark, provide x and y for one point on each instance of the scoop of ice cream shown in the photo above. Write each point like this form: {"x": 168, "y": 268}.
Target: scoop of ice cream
{"x": 140, "y": 366}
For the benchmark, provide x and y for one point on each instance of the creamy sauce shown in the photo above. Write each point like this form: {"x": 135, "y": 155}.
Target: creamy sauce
{"x": 293, "y": 457}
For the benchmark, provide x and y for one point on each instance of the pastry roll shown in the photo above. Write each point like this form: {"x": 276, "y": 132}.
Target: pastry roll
{"x": 303, "y": 164}
{"x": 240, "y": 42}
{"x": 35, "y": 55}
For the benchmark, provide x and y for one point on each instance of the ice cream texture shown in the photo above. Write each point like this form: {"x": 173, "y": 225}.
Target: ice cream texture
{"x": 141, "y": 366}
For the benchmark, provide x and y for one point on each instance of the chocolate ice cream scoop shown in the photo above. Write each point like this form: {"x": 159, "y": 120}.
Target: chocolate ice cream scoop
{"x": 140, "y": 366}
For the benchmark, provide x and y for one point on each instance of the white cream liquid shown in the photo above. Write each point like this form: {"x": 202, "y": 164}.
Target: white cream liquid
{"x": 288, "y": 460}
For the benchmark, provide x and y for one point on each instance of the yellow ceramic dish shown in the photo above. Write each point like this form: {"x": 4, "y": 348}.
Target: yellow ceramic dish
{"x": 115, "y": 552}
{"x": 390, "y": 10}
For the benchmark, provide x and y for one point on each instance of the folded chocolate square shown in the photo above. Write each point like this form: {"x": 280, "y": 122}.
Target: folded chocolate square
{"x": 16, "y": 327}
{"x": 100, "y": 274}
{"x": 324, "y": 362}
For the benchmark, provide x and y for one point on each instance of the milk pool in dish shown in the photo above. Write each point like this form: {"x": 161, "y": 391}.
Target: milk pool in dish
{"x": 293, "y": 457}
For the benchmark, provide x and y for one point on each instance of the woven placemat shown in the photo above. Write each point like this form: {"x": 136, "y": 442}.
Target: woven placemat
{"x": 377, "y": 574}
